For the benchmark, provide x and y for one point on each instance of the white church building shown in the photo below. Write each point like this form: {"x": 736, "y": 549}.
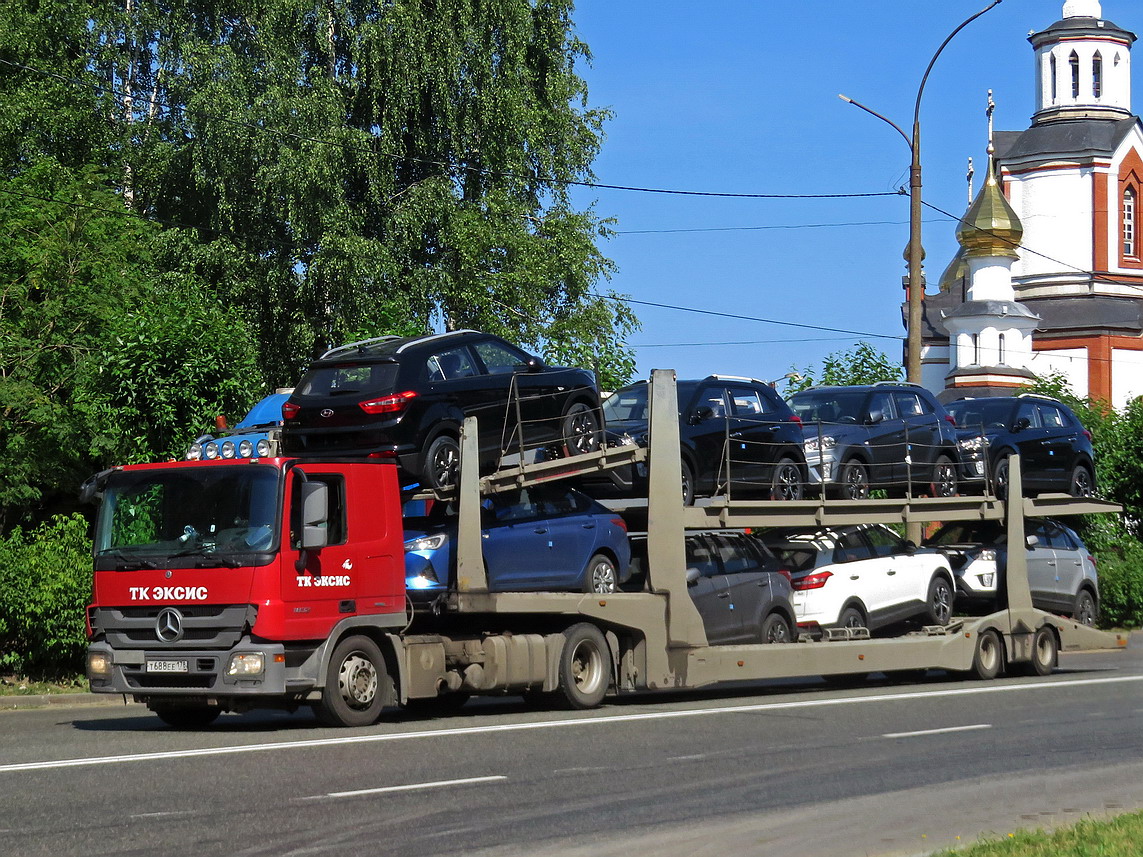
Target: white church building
{"x": 1049, "y": 277}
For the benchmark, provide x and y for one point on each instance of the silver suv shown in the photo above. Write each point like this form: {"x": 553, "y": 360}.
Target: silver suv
{"x": 1061, "y": 570}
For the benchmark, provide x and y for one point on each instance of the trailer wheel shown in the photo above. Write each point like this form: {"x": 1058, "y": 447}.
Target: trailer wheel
{"x": 585, "y": 666}
{"x": 989, "y": 657}
{"x": 187, "y": 717}
{"x": 356, "y": 684}
{"x": 1045, "y": 652}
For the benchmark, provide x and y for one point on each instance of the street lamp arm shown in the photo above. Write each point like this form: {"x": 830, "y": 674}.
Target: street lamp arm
{"x": 884, "y": 119}
{"x": 933, "y": 61}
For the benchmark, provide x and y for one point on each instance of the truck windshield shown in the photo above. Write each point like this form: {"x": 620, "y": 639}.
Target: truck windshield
{"x": 194, "y": 512}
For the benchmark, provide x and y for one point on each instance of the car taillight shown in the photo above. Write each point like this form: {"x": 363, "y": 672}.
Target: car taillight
{"x": 1087, "y": 434}
{"x": 951, "y": 419}
{"x": 785, "y": 572}
{"x": 388, "y": 404}
{"x": 1091, "y": 559}
{"x": 619, "y": 522}
{"x": 290, "y": 410}
{"x": 796, "y": 419}
{"x": 812, "y": 581}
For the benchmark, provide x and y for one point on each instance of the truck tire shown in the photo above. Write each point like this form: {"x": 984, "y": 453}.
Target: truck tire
{"x": 602, "y": 577}
{"x": 442, "y": 463}
{"x": 357, "y": 684}
{"x": 585, "y": 666}
{"x": 187, "y": 717}
{"x": 1045, "y": 652}
{"x": 580, "y": 429}
{"x": 989, "y": 657}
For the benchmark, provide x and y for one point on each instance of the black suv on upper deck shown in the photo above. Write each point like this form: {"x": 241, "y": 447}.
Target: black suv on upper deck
{"x": 733, "y": 431}
{"x": 406, "y": 398}
{"x": 1055, "y": 449}
{"x": 891, "y": 435}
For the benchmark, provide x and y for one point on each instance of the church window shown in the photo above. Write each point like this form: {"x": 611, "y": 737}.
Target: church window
{"x": 1097, "y": 75}
{"x": 1074, "y": 61}
{"x": 1129, "y": 238}
{"x": 1000, "y": 352}
{"x": 1052, "y": 75}
{"x": 976, "y": 349}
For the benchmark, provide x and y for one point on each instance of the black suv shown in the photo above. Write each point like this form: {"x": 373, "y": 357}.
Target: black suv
{"x": 891, "y": 435}
{"x": 732, "y": 431}
{"x": 405, "y": 398}
{"x": 1055, "y": 449}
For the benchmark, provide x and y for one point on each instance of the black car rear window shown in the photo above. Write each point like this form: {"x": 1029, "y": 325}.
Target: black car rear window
{"x": 343, "y": 379}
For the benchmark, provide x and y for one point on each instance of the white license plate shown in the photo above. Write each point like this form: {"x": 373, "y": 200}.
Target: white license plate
{"x": 168, "y": 666}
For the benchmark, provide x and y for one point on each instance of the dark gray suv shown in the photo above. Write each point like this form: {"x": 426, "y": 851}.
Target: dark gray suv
{"x": 890, "y": 435}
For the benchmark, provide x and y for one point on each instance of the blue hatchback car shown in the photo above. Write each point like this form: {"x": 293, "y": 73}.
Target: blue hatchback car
{"x": 544, "y": 537}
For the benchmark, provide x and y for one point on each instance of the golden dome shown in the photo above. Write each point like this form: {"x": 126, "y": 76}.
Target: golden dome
{"x": 990, "y": 227}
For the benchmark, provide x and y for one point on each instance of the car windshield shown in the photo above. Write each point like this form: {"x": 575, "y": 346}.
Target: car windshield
{"x": 828, "y": 406}
{"x": 986, "y": 413}
{"x": 195, "y": 511}
{"x": 967, "y": 534}
{"x": 341, "y": 379}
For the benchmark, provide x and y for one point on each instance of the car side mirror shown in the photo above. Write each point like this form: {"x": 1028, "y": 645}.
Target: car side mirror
{"x": 1031, "y": 541}
{"x": 1021, "y": 424}
{"x": 910, "y": 547}
{"x": 693, "y": 574}
{"x": 875, "y": 417}
{"x": 534, "y": 364}
{"x": 702, "y": 414}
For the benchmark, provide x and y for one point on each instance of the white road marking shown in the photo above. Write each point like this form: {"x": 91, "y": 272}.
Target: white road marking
{"x": 407, "y": 788}
{"x": 604, "y": 719}
{"x": 937, "y": 731}
{"x": 162, "y": 814}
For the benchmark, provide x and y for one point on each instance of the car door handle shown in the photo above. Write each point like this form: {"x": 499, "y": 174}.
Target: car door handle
{"x": 588, "y": 526}
{"x": 762, "y": 583}
{"x": 736, "y": 434}
{"x": 855, "y": 577}
{"x": 1051, "y": 562}
{"x": 891, "y": 572}
{"x": 724, "y": 595}
{"x": 539, "y": 531}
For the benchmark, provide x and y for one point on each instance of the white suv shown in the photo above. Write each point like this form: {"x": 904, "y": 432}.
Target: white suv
{"x": 1061, "y": 571}
{"x": 863, "y": 576}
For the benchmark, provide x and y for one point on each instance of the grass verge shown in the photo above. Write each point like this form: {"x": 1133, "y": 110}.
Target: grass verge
{"x": 1121, "y": 836}
{"x": 12, "y": 685}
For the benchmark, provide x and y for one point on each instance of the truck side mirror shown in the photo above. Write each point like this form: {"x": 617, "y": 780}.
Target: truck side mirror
{"x": 314, "y": 499}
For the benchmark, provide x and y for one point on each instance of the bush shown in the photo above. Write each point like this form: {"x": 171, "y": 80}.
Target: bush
{"x": 45, "y": 586}
{"x": 1121, "y": 585}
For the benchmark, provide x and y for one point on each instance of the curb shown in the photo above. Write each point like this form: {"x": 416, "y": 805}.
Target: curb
{"x": 59, "y": 700}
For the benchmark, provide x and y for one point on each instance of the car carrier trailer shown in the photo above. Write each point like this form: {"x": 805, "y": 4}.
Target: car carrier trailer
{"x": 364, "y": 656}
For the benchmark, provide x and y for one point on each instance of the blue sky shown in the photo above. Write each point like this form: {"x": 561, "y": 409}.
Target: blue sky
{"x": 741, "y": 97}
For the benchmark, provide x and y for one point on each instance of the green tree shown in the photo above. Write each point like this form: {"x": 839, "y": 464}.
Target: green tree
{"x": 862, "y": 364}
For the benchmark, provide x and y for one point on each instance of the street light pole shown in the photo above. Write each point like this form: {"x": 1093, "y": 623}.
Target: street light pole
{"x": 916, "y": 253}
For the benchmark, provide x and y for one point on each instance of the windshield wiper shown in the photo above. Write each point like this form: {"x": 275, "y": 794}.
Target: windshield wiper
{"x": 127, "y": 561}
{"x": 209, "y": 558}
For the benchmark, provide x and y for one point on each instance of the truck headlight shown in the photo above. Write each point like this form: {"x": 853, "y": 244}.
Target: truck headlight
{"x": 98, "y": 664}
{"x": 210, "y": 451}
{"x": 263, "y": 448}
{"x": 228, "y": 449}
{"x": 246, "y": 664}
{"x": 195, "y": 452}
{"x": 245, "y": 449}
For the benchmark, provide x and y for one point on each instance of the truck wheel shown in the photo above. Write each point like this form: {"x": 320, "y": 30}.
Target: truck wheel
{"x": 602, "y": 576}
{"x": 1086, "y": 610}
{"x": 944, "y": 478}
{"x": 989, "y": 656}
{"x": 585, "y": 666}
{"x": 775, "y": 629}
{"x": 787, "y": 481}
{"x": 442, "y": 463}
{"x": 580, "y": 429}
{"x": 356, "y": 684}
{"x": 1045, "y": 652}
{"x": 187, "y": 716}
{"x": 940, "y": 603}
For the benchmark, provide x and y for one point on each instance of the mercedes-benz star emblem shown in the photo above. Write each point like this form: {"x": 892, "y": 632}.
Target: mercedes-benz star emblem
{"x": 169, "y": 625}
{"x": 327, "y": 412}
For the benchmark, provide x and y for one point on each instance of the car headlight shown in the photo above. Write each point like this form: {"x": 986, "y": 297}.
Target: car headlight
{"x": 987, "y": 554}
{"x": 426, "y": 578}
{"x": 98, "y": 664}
{"x": 228, "y": 449}
{"x": 427, "y": 543}
{"x": 971, "y": 444}
{"x": 245, "y": 449}
{"x": 818, "y": 444}
{"x": 246, "y": 664}
{"x": 195, "y": 452}
{"x": 263, "y": 447}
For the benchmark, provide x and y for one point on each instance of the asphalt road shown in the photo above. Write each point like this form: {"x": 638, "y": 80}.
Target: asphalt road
{"x": 792, "y": 769}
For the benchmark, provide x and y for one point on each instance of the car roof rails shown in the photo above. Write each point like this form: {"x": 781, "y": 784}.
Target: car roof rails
{"x": 897, "y": 384}
{"x": 420, "y": 340}
{"x": 734, "y": 378}
{"x": 1038, "y": 396}
{"x": 360, "y": 345}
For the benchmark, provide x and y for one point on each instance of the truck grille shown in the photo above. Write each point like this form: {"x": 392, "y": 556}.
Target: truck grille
{"x": 204, "y": 626}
